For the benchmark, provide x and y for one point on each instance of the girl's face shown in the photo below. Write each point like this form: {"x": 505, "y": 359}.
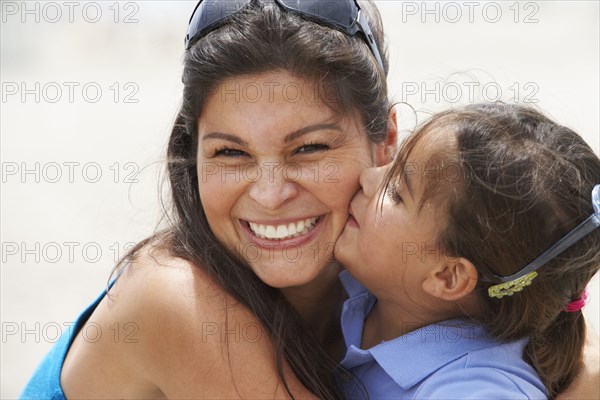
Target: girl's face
{"x": 389, "y": 241}
{"x": 277, "y": 169}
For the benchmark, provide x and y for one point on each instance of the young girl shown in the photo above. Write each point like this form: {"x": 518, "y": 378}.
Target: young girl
{"x": 475, "y": 255}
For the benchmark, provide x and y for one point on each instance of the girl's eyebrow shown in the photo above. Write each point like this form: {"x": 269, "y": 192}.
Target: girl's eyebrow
{"x": 407, "y": 183}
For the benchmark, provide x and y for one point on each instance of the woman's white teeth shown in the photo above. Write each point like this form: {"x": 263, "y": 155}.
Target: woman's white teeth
{"x": 293, "y": 229}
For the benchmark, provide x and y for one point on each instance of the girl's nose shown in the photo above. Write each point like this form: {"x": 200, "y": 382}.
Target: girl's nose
{"x": 371, "y": 178}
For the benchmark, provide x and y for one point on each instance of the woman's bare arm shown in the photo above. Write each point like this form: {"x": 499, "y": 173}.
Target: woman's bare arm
{"x": 191, "y": 341}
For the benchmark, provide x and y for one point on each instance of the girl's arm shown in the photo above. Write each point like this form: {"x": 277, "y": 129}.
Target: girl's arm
{"x": 477, "y": 383}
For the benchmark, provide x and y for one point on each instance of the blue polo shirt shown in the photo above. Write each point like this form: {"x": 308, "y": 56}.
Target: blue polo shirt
{"x": 452, "y": 359}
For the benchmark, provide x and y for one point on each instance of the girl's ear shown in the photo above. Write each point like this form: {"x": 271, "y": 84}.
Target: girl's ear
{"x": 385, "y": 151}
{"x": 452, "y": 280}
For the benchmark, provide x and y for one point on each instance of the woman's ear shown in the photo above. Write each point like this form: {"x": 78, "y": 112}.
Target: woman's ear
{"x": 385, "y": 151}
{"x": 452, "y": 280}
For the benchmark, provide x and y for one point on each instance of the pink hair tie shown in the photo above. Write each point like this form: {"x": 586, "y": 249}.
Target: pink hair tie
{"x": 578, "y": 304}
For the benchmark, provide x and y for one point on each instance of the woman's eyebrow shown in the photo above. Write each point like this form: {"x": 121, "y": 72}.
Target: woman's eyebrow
{"x": 225, "y": 136}
{"x": 310, "y": 128}
{"x": 287, "y": 139}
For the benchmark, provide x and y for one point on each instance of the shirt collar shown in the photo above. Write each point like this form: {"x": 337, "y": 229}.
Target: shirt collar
{"x": 351, "y": 285}
{"x": 407, "y": 359}
{"x": 355, "y": 309}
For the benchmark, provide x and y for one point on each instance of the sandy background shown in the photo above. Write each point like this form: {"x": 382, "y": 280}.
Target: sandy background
{"x": 89, "y": 94}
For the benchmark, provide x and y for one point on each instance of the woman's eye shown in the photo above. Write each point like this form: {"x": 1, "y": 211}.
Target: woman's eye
{"x": 392, "y": 192}
{"x": 228, "y": 152}
{"x": 311, "y": 148}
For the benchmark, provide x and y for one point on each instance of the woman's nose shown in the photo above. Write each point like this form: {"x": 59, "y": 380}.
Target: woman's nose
{"x": 370, "y": 180}
{"x": 273, "y": 188}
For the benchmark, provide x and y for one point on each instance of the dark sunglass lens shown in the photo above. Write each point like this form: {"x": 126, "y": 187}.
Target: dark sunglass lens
{"x": 337, "y": 12}
{"x": 208, "y": 15}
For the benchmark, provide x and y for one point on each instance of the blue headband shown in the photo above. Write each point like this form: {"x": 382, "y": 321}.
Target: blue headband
{"x": 516, "y": 282}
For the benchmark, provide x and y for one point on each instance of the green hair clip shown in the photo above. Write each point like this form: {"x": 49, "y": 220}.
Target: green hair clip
{"x": 509, "y": 288}
{"x": 514, "y": 283}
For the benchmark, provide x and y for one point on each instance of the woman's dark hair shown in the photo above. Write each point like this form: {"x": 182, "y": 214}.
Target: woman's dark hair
{"x": 262, "y": 38}
{"x": 518, "y": 183}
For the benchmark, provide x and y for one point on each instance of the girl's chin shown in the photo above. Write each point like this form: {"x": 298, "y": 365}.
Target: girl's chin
{"x": 343, "y": 246}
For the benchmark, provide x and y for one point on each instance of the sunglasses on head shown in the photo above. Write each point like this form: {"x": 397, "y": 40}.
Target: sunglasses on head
{"x": 516, "y": 282}
{"x": 344, "y": 15}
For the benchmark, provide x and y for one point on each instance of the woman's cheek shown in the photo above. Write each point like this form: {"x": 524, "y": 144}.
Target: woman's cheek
{"x": 218, "y": 195}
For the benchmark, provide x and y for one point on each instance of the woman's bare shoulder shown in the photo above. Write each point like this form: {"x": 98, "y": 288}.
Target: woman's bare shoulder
{"x": 157, "y": 285}
{"x": 188, "y": 338}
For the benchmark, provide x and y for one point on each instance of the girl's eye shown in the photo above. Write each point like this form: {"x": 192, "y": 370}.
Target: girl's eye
{"x": 392, "y": 192}
{"x": 311, "y": 148}
{"x": 228, "y": 152}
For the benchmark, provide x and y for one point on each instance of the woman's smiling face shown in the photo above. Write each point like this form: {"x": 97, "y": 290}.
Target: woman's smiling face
{"x": 277, "y": 168}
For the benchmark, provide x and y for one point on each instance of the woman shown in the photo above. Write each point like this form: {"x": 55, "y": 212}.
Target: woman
{"x": 281, "y": 112}
{"x": 280, "y": 115}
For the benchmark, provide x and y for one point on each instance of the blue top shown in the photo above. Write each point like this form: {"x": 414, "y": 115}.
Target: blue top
{"x": 45, "y": 382}
{"x": 450, "y": 359}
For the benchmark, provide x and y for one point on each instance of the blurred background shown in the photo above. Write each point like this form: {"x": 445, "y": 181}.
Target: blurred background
{"x": 90, "y": 91}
